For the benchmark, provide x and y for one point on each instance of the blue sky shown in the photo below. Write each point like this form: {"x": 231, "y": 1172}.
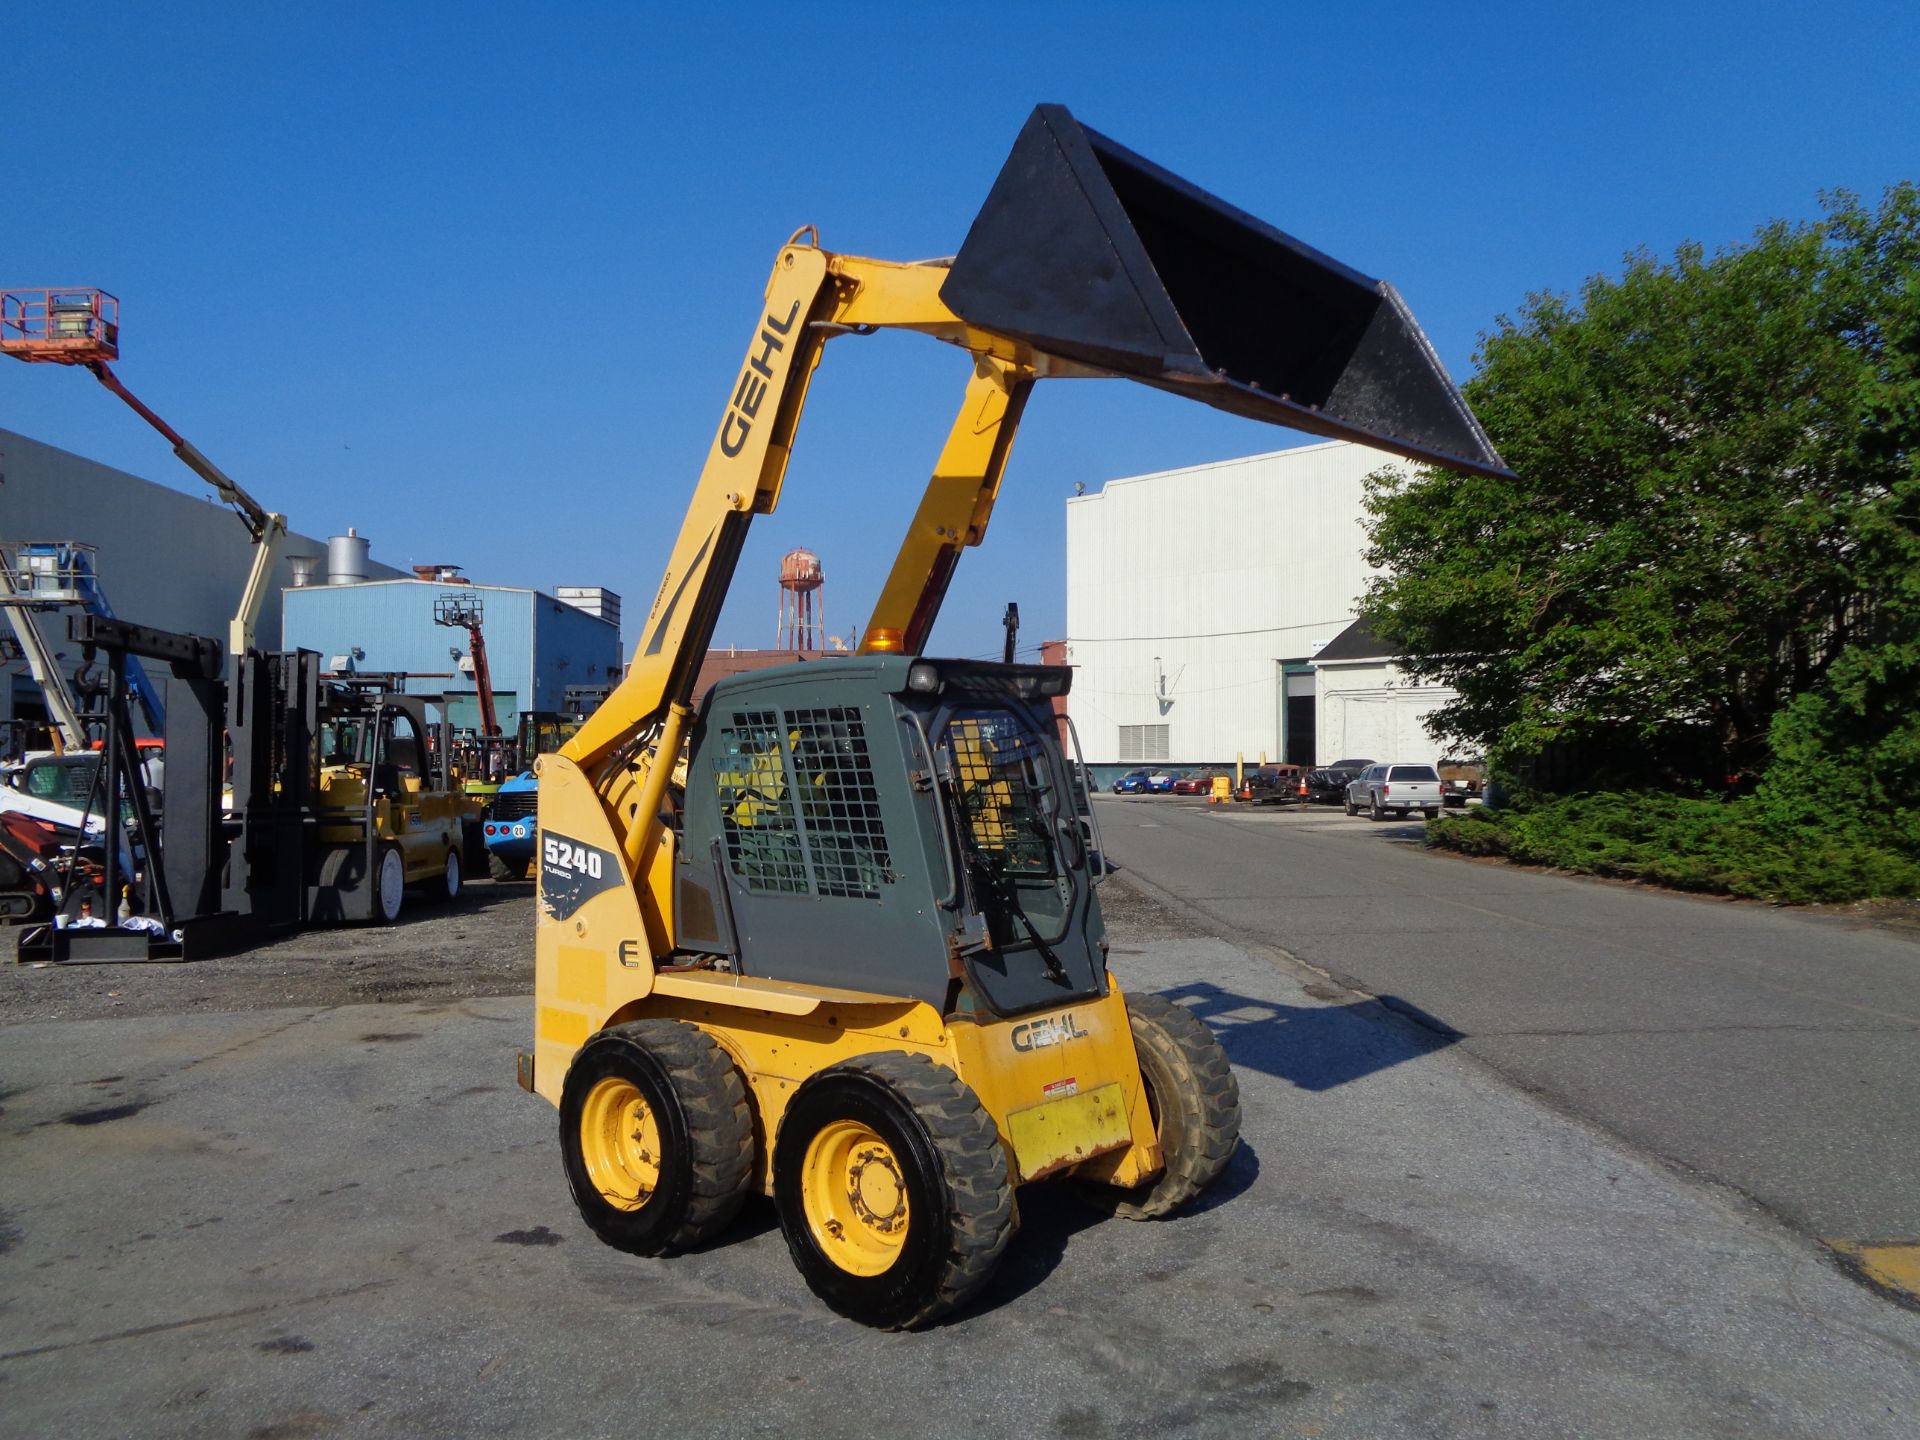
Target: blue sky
{"x": 476, "y": 278}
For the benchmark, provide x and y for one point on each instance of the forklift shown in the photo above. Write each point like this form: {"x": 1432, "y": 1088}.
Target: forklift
{"x": 854, "y": 960}
{"x": 342, "y": 796}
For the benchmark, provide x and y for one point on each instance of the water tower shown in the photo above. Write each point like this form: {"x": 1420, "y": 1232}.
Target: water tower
{"x": 803, "y": 608}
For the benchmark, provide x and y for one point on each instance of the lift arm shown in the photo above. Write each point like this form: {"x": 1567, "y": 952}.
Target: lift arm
{"x": 1085, "y": 261}
{"x": 954, "y": 510}
{"x": 483, "y": 682}
{"x": 812, "y": 296}
{"x": 268, "y": 529}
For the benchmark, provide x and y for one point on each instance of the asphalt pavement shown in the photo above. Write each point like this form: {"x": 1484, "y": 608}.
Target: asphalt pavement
{"x": 1767, "y": 1049}
{"x": 345, "y": 1220}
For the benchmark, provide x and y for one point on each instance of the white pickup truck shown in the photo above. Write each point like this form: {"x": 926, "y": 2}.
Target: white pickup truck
{"x": 1398, "y": 788}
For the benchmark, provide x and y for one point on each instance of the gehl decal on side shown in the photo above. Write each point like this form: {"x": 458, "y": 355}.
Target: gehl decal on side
{"x": 1039, "y": 1034}
{"x": 752, "y": 389}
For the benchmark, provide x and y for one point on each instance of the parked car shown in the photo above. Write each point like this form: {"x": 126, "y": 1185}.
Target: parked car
{"x": 1160, "y": 782}
{"x": 1462, "y": 780}
{"x": 1399, "y": 788}
{"x": 1134, "y": 782}
{"x": 1273, "y": 784}
{"x": 1327, "y": 785}
{"x": 1194, "y": 782}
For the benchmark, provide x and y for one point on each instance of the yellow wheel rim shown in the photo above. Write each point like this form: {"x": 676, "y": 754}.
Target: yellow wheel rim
{"x": 620, "y": 1142}
{"x": 855, "y": 1198}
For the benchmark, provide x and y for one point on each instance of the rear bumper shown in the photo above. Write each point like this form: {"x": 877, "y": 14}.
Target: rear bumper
{"x": 509, "y": 839}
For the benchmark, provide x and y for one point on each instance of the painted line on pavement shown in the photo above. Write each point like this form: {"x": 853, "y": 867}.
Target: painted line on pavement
{"x": 1892, "y": 1265}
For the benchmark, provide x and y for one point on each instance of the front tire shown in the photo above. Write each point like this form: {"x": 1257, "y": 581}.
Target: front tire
{"x": 892, "y": 1189}
{"x": 1352, "y": 809}
{"x": 1195, "y": 1101}
{"x": 656, "y": 1136}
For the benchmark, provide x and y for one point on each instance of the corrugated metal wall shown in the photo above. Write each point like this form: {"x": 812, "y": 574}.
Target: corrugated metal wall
{"x": 536, "y": 646}
{"x": 570, "y": 647}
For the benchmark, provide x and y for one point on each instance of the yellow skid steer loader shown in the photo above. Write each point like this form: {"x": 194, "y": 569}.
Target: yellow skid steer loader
{"x": 854, "y": 959}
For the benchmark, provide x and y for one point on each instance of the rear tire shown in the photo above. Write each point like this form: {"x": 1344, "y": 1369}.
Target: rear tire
{"x": 1195, "y": 1100}
{"x": 656, "y": 1136}
{"x": 1375, "y": 811}
{"x": 892, "y": 1189}
{"x": 1433, "y": 812}
{"x": 501, "y": 869}
{"x": 451, "y": 881}
{"x": 389, "y": 885}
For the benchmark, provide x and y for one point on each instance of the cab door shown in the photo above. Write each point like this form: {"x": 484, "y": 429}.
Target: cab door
{"x": 399, "y": 772}
{"x": 1024, "y": 857}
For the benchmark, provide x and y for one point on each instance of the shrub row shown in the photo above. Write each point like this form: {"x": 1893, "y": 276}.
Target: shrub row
{"x": 1725, "y": 847}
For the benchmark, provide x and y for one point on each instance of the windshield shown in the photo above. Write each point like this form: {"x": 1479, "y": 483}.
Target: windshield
{"x": 345, "y": 741}
{"x": 66, "y": 784}
{"x": 1006, "y": 810}
{"x": 1412, "y": 772}
{"x": 544, "y": 734}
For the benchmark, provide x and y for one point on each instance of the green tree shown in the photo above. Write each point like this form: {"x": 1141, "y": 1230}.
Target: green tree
{"x": 1714, "y": 500}
{"x": 1847, "y": 754}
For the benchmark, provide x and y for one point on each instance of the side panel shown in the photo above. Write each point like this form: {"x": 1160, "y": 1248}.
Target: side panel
{"x": 776, "y": 1053}
{"x": 1034, "y": 1076}
{"x": 1021, "y": 1068}
{"x": 591, "y": 954}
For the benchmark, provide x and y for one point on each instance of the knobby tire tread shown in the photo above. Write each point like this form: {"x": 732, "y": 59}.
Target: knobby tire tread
{"x": 1203, "y": 1081}
{"x": 979, "y": 1188}
{"x": 719, "y": 1123}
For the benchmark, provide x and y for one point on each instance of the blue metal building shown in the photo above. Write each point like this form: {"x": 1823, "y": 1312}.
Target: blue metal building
{"x": 537, "y": 646}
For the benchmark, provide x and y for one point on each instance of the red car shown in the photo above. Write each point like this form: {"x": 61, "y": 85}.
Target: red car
{"x": 1194, "y": 782}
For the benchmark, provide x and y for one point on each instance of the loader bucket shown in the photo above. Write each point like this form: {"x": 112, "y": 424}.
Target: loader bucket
{"x": 1088, "y": 252}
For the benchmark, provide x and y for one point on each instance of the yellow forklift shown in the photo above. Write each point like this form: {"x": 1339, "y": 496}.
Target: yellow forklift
{"x": 388, "y": 813}
{"x": 853, "y": 957}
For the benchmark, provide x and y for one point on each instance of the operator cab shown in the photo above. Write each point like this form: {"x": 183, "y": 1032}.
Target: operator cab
{"x": 387, "y": 739}
{"x": 904, "y": 826}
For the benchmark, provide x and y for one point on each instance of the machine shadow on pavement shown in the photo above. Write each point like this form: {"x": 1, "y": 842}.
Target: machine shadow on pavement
{"x": 1315, "y": 1047}
{"x": 1051, "y": 1216}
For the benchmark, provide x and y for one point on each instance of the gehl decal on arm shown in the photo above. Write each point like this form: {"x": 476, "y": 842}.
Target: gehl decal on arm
{"x": 752, "y": 389}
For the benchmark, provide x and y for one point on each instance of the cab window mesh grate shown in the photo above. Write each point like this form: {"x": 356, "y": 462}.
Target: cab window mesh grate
{"x": 798, "y": 803}
{"x": 756, "y": 805}
{"x": 839, "y": 804}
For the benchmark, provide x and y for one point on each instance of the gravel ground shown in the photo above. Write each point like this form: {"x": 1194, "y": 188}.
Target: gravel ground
{"x": 480, "y": 945}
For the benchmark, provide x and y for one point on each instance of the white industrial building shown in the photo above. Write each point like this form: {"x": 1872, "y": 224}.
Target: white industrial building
{"x": 1211, "y": 615}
